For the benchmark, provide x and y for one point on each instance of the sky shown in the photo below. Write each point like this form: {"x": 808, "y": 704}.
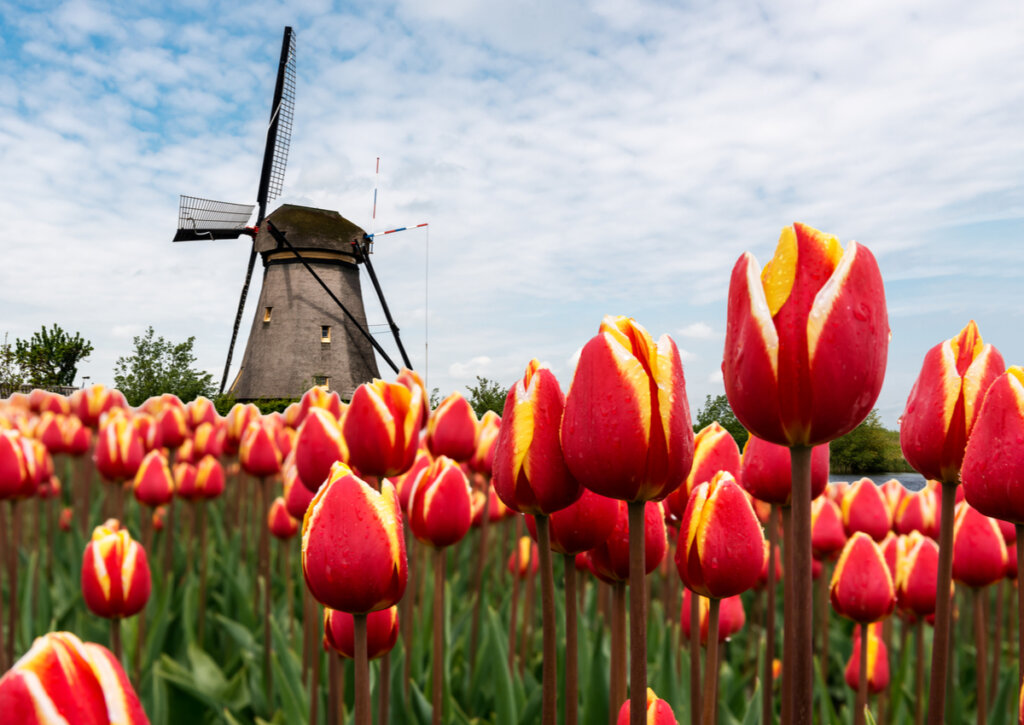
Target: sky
{"x": 572, "y": 160}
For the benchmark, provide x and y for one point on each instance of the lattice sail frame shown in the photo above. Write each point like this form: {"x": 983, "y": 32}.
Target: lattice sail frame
{"x": 200, "y": 218}
{"x": 285, "y": 113}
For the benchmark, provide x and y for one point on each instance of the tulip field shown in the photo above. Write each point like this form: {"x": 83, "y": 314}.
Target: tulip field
{"x": 585, "y": 557}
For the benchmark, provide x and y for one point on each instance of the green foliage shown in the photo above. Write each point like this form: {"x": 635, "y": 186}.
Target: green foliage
{"x": 718, "y": 408}
{"x": 50, "y": 357}
{"x": 157, "y": 366}
{"x": 486, "y": 395}
{"x": 435, "y": 397}
{"x": 868, "y": 448}
{"x": 274, "y": 405}
{"x": 11, "y": 375}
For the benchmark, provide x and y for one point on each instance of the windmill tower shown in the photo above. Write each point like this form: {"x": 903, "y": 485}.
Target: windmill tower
{"x": 310, "y": 325}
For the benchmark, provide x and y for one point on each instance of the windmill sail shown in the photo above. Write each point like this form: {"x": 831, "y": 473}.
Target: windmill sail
{"x": 208, "y": 219}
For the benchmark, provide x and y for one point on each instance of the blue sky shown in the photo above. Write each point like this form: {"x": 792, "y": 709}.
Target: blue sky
{"x": 572, "y": 160}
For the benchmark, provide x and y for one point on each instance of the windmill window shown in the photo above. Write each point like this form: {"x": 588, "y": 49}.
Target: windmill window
{"x": 325, "y": 333}
{"x": 322, "y": 381}
{"x": 267, "y": 311}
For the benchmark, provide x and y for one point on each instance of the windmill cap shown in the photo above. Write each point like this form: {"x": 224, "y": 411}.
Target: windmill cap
{"x": 309, "y": 228}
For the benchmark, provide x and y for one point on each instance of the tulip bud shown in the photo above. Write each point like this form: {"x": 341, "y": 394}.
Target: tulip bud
{"x": 714, "y": 450}
{"x": 115, "y": 573}
{"x": 893, "y": 492}
{"x": 626, "y": 431}
{"x": 524, "y": 561}
{"x": 381, "y": 632}
{"x": 64, "y": 520}
{"x": 862, "y": 587}
{"x": 318, "y": 446}
{"x": 280, "y": 522}
{"x": 979, "y": 552}
{"x": 582, "y": 526}
{"x": 878, "y": 661}
{"x": 918, "y": 511}
{"x": 184, "y": 479}
{"x": 77, "y": 438}
{"x": 199, "y": 411}
{"x": 917, "y": 575}
{"x": 89, "y": 404}
{"x": 258, "y": 453}
{"x": 14, "y": 471}
{"x": 48, "y": 430}
{"x": 721, "y": 544}
{"x": 659, "y": 712}
{"x": 159, "y": 517}
{"x": 319, "y": 397}
{"x": 530, "y": 475}
{"x": 486, "y": 438}
{"x": 451, "y": 429}
{"x": 610, "y": 559}
{"x": 209, "y": 481}
{"x": 992, "y": 481}
{"x": 440, "y": 510}
{"x": 353, "y": 550}
{"x": 239, "y": 418}
{"x": 381, "y": 428}
{"x": 296, "y": 496}
{"x": 731, "y": 616}
{"x": 827, "y": 533}
{"x": 945, "y": 401}
{"x": 172, "y": 423}
{"x": 149, "y": 431}
{"x": 767, "y": 473}
{"x": 806, "y": 340}
{"x": 119, "y": 450}
{"x": 63, "y": 680}
{"x": 208, "y": 440}
{"x": 154, "y": 484}
{"x": 405, "y": 482}
{"x": 411, "y": 379}
{"x": 865, "y": 509}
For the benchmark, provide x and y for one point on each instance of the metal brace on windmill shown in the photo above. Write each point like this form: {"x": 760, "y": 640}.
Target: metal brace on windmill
{"x": 310, "y": 324}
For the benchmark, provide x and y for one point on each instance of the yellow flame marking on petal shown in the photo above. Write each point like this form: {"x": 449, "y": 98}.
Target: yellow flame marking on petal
{"x": 99, "y": 564}
{"x": 825, "y": 299}
{"x": 761, "y": 313}
{"x": 45, "y": 710}
{"x": 113, "y": 692}
{"x": 633, "y": 373}
{"x": 381, "y": 409}
{"x": 779, "y": 274}
{"x": 973, "y": 381}
{"x": 1016, "y": 380}
{"x": 384, "y": 506}
{"x": 131, "y": 555}
{"x": 523, "y": 424}
{"x": 698, "y": 502}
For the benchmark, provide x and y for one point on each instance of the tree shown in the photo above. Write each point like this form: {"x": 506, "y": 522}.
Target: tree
{"x": 487, "y": 395}
{"x": 718, "y": 409}
{"x": 11, "y": 376}
{"x": 157, "y": 366}
{"x": 868, "y": 448}
{"x": 50, "y": 357}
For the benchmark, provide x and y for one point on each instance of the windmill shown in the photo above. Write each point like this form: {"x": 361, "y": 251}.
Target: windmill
{"x": 310, "y": 325}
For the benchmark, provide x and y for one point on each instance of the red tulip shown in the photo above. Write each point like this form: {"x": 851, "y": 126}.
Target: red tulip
{"x": 862, "y": 587}
{"x": 440, "y": 510}
{"x": 878, "y": 661}
{"x": 209, "y": 481}
{"x": 486, "y": 438}
{"x": 731, "y": 617}
{"x": 979, "y": 552}
{"x": 827, "y": 533}
{"x": 714, "y": 450}
{"x": 524, "y": 561}
{"x": 451, "y": 429}
{"x": 89, "y": 404}
{"x": 77, "y": 438}
{"x": 319, "y": 397}
{"x": 318, "y": 446}
{"x": 149, "y": 431}
{"x": 239, "y": 418}
{"x": 208, "y": 440}
{"x": 63, "y": 680}
{"x": 530, "y": 475}
{"x": 115, "y": 573}
{"x": 893, "y": 492}
{"x": 381, "y": 632}
{"x": 14, "y": 472}
{"x": 586, "y": 524}
{"x": 119, "y": 451}
{"x": 918, "y": 511}
{"x": 280, "y": 522}
{"x": 610, "y": 559}
{"x": 40, "y": 401}
{"x": 48, "y": 430}
{"x": 806, "y": 339}
{"x": 626, "y": 431}
{"x": 917, "y": 574}
{"x": 993, "y": 466}
{"x": 721, "y": 544}
{"x": 659, "y": 712}
{"x": 767, "y": 472}
{"x": 64, "y": 520}
{"x": 159, "y": 517}
{"x": 258, "y": 452}
{"x": 184, "y": 478}
{"x": 296, "y": 496}
{"x": 381, "y": 428}
{"x": 411, "y": 379}
{"x": 199, "y": 411}
{"x": 172, "y": 423}
{"x": 945, "y": 401}
{"x": 865, "y": 509}
{"x": 154, "y": 484}
{"x": 353, "y": 550}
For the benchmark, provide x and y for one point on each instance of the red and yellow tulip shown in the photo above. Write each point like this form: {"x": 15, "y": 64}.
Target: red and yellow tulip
{"x": 451, "y": 429}
{"x": 714, "y": 450}
{"x": 318, "y": 446}
{"x": 381, "y": 428}
{"x": 862, "y": 587}
{"x": 115, "y": 573}
{"x": 440, "y": 508}
{"x": 381, "y": 632}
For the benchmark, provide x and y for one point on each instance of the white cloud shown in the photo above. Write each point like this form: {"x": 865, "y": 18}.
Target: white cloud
{"x": 699, "y": 331}
{"x": 475, "y": 366}
{"x": 716, "y": 377}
